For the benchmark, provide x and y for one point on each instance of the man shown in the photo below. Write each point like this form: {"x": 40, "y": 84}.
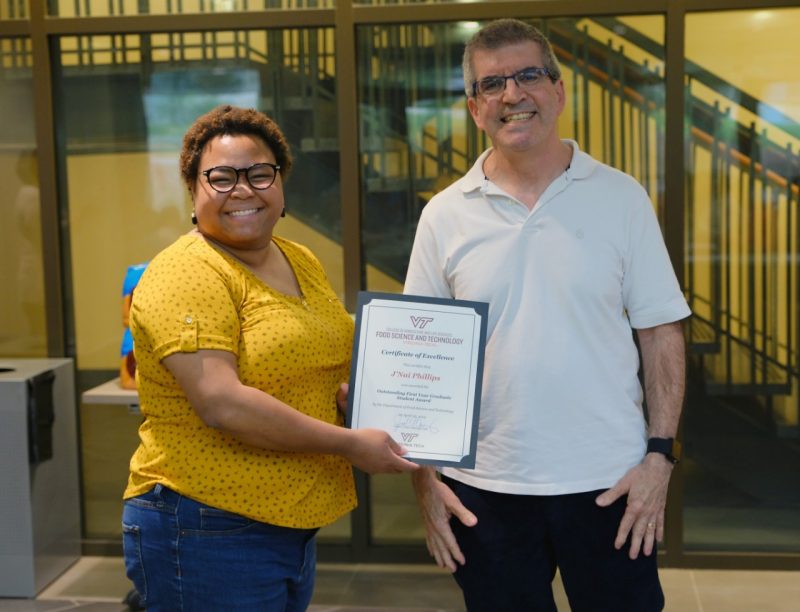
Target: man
{"x": 570, "y": 258}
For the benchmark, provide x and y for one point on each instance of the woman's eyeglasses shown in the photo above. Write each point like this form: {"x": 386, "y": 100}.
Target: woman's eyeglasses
{"x": 224, "y": 178}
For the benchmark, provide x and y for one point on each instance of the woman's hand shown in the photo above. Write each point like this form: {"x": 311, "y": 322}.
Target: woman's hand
{"x": 341, "y": 398}
{"x": 375, "y": 452}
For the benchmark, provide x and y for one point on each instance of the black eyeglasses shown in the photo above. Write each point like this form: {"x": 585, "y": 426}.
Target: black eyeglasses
{"x": 526, "y": 79}
{"x": 224, "y": 178}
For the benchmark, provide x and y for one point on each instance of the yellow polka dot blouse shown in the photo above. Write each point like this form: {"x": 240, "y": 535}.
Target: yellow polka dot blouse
{"x": 297, "y": 349}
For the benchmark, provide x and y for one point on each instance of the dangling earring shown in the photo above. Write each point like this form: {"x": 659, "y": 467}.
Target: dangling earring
{"x": 283, "y": 212}
{"x": 194, "y": 218}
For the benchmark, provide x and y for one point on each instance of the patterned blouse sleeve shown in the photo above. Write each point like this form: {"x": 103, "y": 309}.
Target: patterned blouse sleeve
{"x": 186, "y": 301}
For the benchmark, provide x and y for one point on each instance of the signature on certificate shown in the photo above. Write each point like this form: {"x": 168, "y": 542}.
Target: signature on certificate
{"x": 415, "y": 422}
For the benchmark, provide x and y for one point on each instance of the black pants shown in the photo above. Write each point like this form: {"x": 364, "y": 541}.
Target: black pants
{"x": 519, "y": 541}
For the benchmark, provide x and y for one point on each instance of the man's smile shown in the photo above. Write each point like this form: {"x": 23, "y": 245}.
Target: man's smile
{"x": 518, "y": 117}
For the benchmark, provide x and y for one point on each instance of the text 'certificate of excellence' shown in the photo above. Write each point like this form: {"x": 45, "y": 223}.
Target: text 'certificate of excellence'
{"x": 416, "y": 373}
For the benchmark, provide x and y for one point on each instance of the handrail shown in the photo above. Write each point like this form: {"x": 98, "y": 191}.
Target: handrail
{"x": 768, "y": 113}
{"x": 745, "y": 160}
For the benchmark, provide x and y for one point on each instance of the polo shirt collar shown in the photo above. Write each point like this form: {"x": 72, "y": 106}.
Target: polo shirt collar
{"x": 580, "y": 167}
{"x": 474, "y": 179}
{"x": 582, "y": 164}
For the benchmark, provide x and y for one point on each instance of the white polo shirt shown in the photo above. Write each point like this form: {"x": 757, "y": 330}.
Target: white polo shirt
{"x": 561, "y": 410}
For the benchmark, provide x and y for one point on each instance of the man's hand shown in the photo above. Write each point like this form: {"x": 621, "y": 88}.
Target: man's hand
{"x": 646, "y": 487}
{"x": 437, "y": 503}
{"x": 664, "y": 363}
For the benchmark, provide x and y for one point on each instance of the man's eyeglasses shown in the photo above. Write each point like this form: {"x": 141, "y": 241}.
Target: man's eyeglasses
{"x": 224, "y": 178}
{"x": 526, "y": 79}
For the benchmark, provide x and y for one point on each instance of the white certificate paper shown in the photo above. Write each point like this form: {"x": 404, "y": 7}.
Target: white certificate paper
{"x": 416, "y": 373}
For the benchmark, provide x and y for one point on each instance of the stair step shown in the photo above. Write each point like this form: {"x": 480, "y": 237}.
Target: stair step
{"x": 386, "y": 184}
{"x": 288, "y": 103}
{"x": 319, "y": 145}
{"x": 382, "y": 144}
{"x": 766, "y": 378}
{"x": 703, "y": 338}
{"x": 716, "y": 388}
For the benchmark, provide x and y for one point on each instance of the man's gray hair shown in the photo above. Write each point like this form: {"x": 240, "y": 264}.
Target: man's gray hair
{"x": 501, "y": 33}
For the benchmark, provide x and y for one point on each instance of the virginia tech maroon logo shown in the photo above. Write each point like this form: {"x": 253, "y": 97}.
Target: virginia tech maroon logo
{"x": 420, "y": 322}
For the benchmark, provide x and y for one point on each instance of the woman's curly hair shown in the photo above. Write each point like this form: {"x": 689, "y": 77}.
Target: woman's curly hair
{"x": 235, "y": 121}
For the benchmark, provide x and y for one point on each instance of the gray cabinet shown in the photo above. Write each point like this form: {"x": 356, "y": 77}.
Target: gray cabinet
{"x": 40, "y": 528}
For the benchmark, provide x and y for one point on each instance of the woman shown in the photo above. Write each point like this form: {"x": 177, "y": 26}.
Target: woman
{"x": 241, "y": 346}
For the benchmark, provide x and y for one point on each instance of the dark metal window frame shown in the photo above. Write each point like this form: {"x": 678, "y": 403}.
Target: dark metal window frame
{"x": 345, "y": 18}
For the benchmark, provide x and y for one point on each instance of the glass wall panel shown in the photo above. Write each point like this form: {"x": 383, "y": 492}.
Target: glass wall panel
{"x": 395, "y": 2}
{"x": 394, "y": 513}
{"x": 417, "y": 137}
{"x": 22, "y": 309}
{"x": 742, "y": 136}
{"x": 13, "y": 9}
{"x": 125, "y": 102}
{"x": 104, "y": 8}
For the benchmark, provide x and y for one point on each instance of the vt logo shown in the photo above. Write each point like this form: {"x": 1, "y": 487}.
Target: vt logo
{"x": 420, "y": 322}
{"x": 408, "y": 437}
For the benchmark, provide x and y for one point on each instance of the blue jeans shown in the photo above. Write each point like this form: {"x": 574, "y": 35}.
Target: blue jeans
{"x": 513, "y": 551}
{"x": 184, "y": 556}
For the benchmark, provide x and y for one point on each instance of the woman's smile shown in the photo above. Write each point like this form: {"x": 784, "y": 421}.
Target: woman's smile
{"x": 244, "y": 213}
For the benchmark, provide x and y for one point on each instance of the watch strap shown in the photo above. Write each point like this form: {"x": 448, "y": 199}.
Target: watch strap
{"x": 669, "y": 447}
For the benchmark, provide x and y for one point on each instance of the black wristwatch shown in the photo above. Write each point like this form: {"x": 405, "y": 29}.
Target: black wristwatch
{"x": 669, "y": 447}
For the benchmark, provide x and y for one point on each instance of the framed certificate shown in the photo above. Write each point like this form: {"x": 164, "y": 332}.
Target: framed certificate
{"x": 416, "y": 373}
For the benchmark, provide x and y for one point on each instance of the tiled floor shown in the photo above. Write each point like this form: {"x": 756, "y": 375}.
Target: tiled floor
{"x": 98, "y": 584}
